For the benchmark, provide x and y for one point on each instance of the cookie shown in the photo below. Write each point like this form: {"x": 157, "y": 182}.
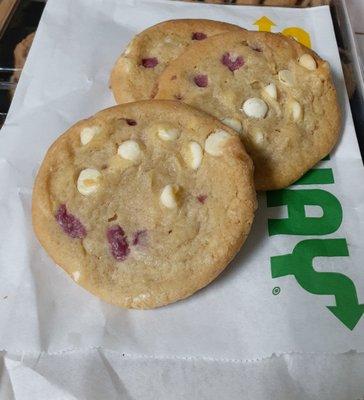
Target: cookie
{"x": 281, "y": 3}
{"x": 144, "y": 203}
{"x": 315, "y": 3}
{"x": 20, "y": 55}
{"x": 276, "y": 93}
{"x": 245, "y": 2}
{"x": 135, "y": 73}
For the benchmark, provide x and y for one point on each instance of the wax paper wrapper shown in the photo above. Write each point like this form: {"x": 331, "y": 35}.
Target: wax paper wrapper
{"x": 283, "y": 321}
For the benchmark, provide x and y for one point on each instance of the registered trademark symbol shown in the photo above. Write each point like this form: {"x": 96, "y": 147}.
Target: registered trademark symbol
{"x": 276, "y": 290}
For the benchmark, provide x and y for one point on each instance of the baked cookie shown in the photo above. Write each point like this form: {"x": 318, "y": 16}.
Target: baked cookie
{"x": 144, "y": 203}
{"x": 135, "y": 73}
{"x": 20, "y": 56}
{"x": 276, "y": 93}
{"x": 245, "y": 2}
{"x": 281, "y": 3}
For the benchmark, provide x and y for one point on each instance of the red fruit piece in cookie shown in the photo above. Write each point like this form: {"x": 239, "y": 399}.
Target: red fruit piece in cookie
{"x": 201, "y": 198}
{"x": 233, "y": 63}
{"x": 201, "y": 80}
{"x": 199, "y": 36}
{"x": 118, "y": 242}
{"x": 70, "y": 225}
{"x": 150, "y": 62}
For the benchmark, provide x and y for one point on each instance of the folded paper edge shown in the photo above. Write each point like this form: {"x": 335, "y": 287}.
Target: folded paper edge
{"x": 161, "y": 357}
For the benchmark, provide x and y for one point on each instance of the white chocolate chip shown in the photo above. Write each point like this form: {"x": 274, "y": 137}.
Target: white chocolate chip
{"x": 169, "y": 196}
{"x": 168, "y": 134}
{"x": 141, "y": 297}
{"x": 271, "y": 91}
{"x": 76, "y": 276}
{"x": 129, "y": 150}
{"x": 286, "y": 77}
{"x": 255, "y": 108}
{"x": 296, "y": 110}
{"x": 88, "y": 133}
{"x": 194, "y": 155}
{"x": 88, "y": 181}
{"x": 308, "y": 62}
{"x": 232, "y": 123}
{"x": 258, "y": 137}
{"x": 214, "y": 144}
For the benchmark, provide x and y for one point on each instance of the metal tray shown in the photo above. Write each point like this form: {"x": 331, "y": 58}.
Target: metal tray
{"x": 350, "y": 55}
